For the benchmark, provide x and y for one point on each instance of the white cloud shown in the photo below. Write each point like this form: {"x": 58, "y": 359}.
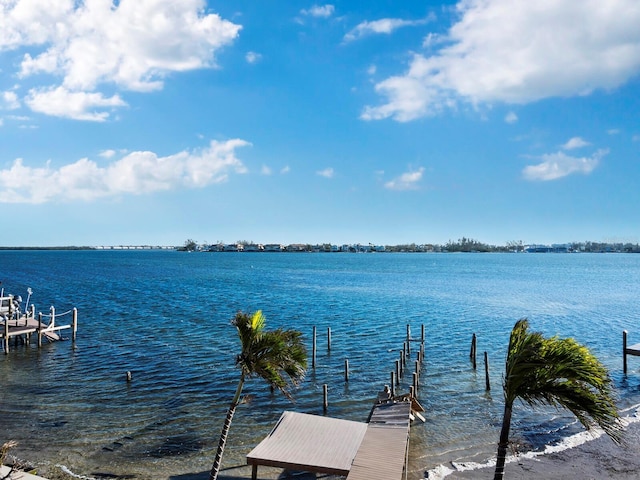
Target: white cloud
{"x": 107, "y": 153}
{"x": 286, "y": 169}
{"x": 60, "y": 102}
{"x": 511, "y": 117}
{"x": 372, "y": 69}
{"x": 384, "y": 25}
{"x": 321, "y": 11}
{"x": 559, "y": 164}
{"x": 327, "y": 173}
{"x": 137, "y": 173}
{"x": 518, "y": 52}
{"x": 130, "y": 44}
{"x": 575, "y": 142}
{"x": 613, "y": 131}
{"x": 252, "y": 57}
{"x": 406, "y": 181}
{"x": 265, "y": 170}
{"x": 9, "y": 100}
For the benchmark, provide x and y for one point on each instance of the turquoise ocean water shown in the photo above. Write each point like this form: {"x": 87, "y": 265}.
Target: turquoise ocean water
{"x": 165, "y": 316}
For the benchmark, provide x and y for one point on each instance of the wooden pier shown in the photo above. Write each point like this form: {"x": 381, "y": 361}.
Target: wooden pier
{"x": 626, "y": 350}
{"x": 21, "y": 327}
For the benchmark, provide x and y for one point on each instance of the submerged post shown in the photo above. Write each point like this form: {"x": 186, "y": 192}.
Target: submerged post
{"x": 313, "y": 349}
{"x": 74, "y": 324}
{"x": 472, "y": 353}
{"x": 486, "y": 371}
{"x": 325, "y": 401}
{"x": 624, "y": 352}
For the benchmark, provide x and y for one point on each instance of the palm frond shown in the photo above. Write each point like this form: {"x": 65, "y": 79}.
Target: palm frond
{"x": 561, "y": 373}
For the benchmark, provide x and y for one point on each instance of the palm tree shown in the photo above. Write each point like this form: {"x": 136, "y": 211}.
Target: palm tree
{"x": 278, "y": 356}
{"x": 557, "y": 372}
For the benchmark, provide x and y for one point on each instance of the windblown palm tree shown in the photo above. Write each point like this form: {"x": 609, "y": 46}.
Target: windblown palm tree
{"x": 558, "y": 372}
{"x": 278, "y": 356}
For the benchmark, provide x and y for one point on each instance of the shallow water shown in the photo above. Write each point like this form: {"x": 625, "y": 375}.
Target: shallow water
{"x": 165, "y": 317}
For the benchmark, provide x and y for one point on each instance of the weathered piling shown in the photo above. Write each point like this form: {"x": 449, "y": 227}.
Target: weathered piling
{"x": 393, "y": 384}
{"x": 486, "y": 372}
{"x": 624, "y": 352}
{"x": 401, "y": 362}
{"x": 6, "y": 337}
{"x": 39, "y": 329}
{"x": 397, "y": 372}
{"x": 346, "y": 370}
{"x": 472, "y": 353}
{"x": 325, "y": 400}
{"x": 328, "y": 339}
{"x": 74, "y": 324}
{"x": 313, "y": 349}
{"x": 408, "y": 340}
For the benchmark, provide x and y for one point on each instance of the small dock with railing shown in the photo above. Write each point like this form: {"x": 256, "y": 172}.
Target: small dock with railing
{"x": 21, "y": 327}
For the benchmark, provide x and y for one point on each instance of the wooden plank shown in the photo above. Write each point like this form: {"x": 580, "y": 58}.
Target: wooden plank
{"x": 633, "y": 350}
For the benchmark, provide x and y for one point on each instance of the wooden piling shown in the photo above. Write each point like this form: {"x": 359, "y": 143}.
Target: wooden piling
{"x": 422, "y": 334}
{"x": 415, "y": 382}
{"x": 6, "y": 337}
{"x": 39, "y": 329}
{"x": 398, "y": 372}
{"x": 346, "y": 370}
{"x": 325, "y": 401}
{"x": 472, "y": 353}
{"x": 393, "y": 384}
{"x": 408, "y": 340}
{"x": 401, "y": 362}
{"x": 313, "y": 349}
{"x": 486, "y": 372}
{"x": 624, "y": 352}
{"x": 328, "y": 339}
{"x": 74, "y": 324}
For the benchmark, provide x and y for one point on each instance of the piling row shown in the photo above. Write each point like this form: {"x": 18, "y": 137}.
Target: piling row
{"x": 396, "y": 375}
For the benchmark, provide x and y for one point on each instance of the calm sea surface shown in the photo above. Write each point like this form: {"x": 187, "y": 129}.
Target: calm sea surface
{"x": 165, "y": 316}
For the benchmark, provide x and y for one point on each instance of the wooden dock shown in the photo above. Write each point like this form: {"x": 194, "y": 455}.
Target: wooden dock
{"x": 376, "y": 450}
{"x": 22, "y": 327}
{"x": 628, "y": 350}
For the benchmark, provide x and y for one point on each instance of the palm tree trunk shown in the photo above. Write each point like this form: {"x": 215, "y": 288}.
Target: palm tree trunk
{"x": 503, "y": 443}
{"x": 215, "y": 469}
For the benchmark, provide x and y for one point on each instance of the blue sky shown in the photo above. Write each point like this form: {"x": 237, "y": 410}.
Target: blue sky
{"x": 153, "y": 121}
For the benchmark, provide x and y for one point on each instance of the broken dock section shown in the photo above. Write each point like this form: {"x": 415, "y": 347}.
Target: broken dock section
{"x": 21, "y": 326}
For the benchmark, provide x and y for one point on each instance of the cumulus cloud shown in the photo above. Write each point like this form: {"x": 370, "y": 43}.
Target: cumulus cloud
{"x": 558, "y": 165}
{"x": 252, "y": 57}
{"x": 511, "y": 117}
{"x": 60, "y": 102}
{"x": 515, "y": 53}
{"x": 9, "y": 100}
{"x": 321, "y": 11}
{"x": 384, "y": 25}
{"x": 326, "y": 173}
{"x": 129, "y": 45}
{"x": 575, "y": 142}
{"x": 407, "y": 181}
{"x": 285, "y": 169}
{"x": 137, "y": 173}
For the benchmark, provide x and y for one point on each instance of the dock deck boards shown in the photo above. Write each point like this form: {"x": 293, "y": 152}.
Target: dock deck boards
{"x": 373, "y": 451}
{"x": 634, "y": 350}
{"x": 310, "y": 443}
{"x": 383, "y": 452}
